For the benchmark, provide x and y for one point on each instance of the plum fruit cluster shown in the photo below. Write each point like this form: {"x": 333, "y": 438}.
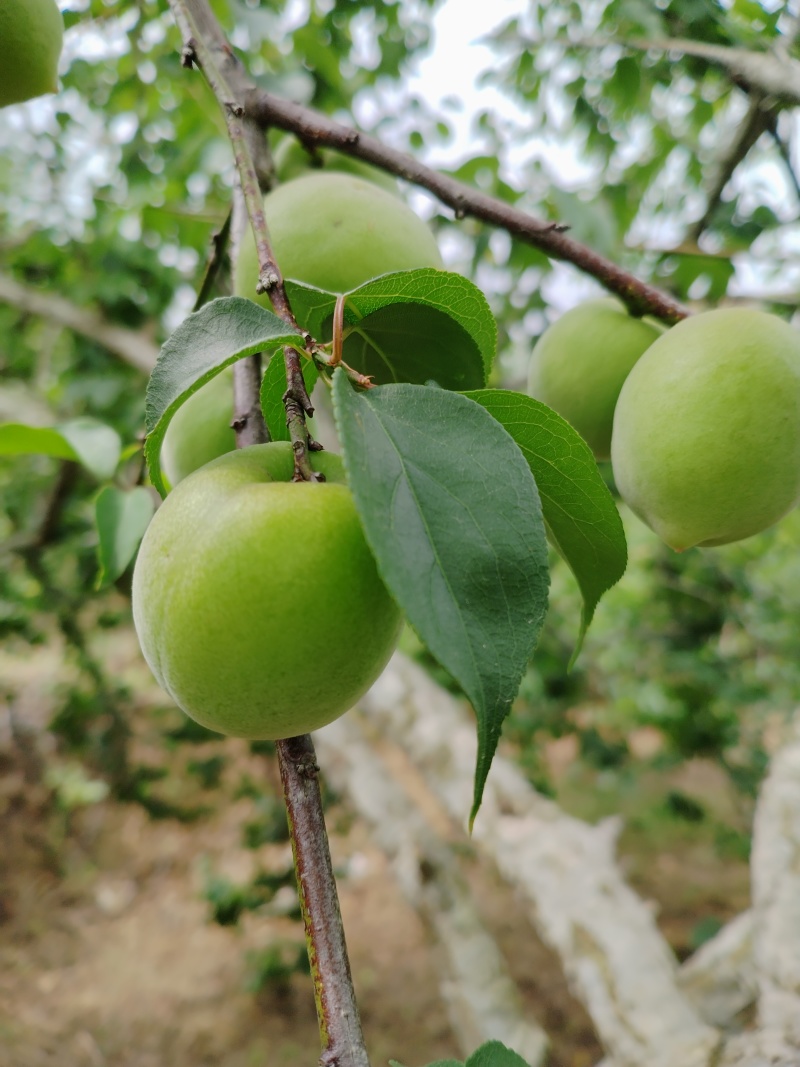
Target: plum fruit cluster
{"x": 256, "y": 599}
{"x": 702, "y": 422}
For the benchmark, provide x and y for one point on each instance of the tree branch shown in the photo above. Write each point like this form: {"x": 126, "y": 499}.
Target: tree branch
{"x": 337, "y": 1011}
{"x": 757, "y": 121}
{"x": 205, "y": 45}
{"x": 482, "y": 999}
{"x": 131, "y": 346}
{"x": 317, "y": 130}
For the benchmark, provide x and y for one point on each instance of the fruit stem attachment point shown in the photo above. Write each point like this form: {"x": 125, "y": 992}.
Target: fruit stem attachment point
{"x": 337, "y": 1011}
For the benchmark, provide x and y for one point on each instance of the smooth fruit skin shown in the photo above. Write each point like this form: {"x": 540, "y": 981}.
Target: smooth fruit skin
{"x": 200, "y": 430}
{"x": 292, "y": 160}
{"x": 579, "y": 365}
{"x": 257, "y": 602}
{"x": 706, "y": 443}
{"x": 31, "y": 37}
{"x": 336, "y": 231}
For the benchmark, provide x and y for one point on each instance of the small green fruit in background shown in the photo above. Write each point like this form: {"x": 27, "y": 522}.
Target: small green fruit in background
{"x": 257, "y": 602}
{"x": 579, "y": 364}
{"x": 293, "y": 160}
{"x": 706, "y": 444}
{"x": 336, "y": 231}
{"x": 31, "y": 37}
{"x": 200, "y": 430}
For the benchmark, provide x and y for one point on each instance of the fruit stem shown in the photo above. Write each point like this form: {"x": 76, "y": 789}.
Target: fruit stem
{"x": 337, "y": 1011}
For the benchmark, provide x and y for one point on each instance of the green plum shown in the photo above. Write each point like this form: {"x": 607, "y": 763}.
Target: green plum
{"x": 580, "y": 363}
{"x": 706, "y": 442}
{"x": 257, "y": 602}
{"x": 336, "y": 231}
{"x": 31, "y": 37}
{"x": 200, "y": 430}
{"x": 293, "y": 160}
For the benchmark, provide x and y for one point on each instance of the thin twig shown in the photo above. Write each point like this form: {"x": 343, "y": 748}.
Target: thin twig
{"x": 337, "y": 1011}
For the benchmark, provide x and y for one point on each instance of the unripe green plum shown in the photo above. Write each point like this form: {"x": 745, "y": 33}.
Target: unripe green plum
{"x": 706, "y": 443}
{"x": 580, "y": 363}
{"x": 336, "y": 231}
{"x": 200, "y": 430}
{"x": 293, "y": 160}
{"x": 257, "y": 602}
{"x": 31, "y": 37}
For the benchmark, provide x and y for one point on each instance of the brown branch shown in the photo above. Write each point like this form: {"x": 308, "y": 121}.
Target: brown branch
{"x": 131, "y": 346}
{"x": 757, "y": 121}
{"x": 337, "y": 1011}
{"x": 316, "y": 129}
{"x": 248, "y": 419}
{"x": 205, "y": 45}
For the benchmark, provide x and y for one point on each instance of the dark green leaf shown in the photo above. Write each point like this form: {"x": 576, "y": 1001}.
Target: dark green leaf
{"x": 273, "y": 386}
{"x": 580, "y": 512}
{"x": 412, "y": 326}
{"x": 220, "y": 333}
{"x": 495, "y": 1054}
{"x": 452, "y": 514}
{"x": 121, "y": 518}
{"x": 89, "y": 442}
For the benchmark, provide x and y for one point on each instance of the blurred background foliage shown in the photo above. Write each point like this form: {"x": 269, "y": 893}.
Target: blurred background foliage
{"x": 110, "y": 192}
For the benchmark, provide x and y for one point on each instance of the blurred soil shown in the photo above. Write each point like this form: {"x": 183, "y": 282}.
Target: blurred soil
{"x": 109, "y": 956}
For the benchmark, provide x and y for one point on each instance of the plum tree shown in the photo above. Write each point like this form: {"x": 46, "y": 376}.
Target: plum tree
{"x": 336, "y": 231}
{"x": 293, "y": 160}
{"x": 580, "y": 363}
{"x": 200, "y": 429}
{"x": 706, "y": 441}
{"x": 31, "y": 36}
{"x": 257, "y": 601}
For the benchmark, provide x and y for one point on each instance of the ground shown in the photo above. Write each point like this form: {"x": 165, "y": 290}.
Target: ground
{"x": 109, "y": 956}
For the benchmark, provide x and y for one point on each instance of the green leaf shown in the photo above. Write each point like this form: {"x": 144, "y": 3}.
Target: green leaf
{"x": 121, "y": 518}
{"x": 220, "y": 333}
{"x": 86, "y": 441}
{"x": 495, "y": 1054}
{"x": 410, "y": 326}
{"x": 273, "y": 386}
{"x": 452, "y": 514}
{"x": 581, "y": 516}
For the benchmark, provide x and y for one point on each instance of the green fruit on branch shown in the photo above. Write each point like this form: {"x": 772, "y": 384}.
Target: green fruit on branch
{"x": 706, "y": 443}
{"x": 257, "y": 602}
{"x": 336, "y": 231}
{"x": 200, "y": 430}
{"x": 31, "y": 36}
{"x": 292, "y": 160}
{"x": 580, "y": 363}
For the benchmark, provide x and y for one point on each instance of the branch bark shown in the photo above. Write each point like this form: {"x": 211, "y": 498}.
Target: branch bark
{"x": 317, "y": 130}
{"x": 206, "y": 46}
